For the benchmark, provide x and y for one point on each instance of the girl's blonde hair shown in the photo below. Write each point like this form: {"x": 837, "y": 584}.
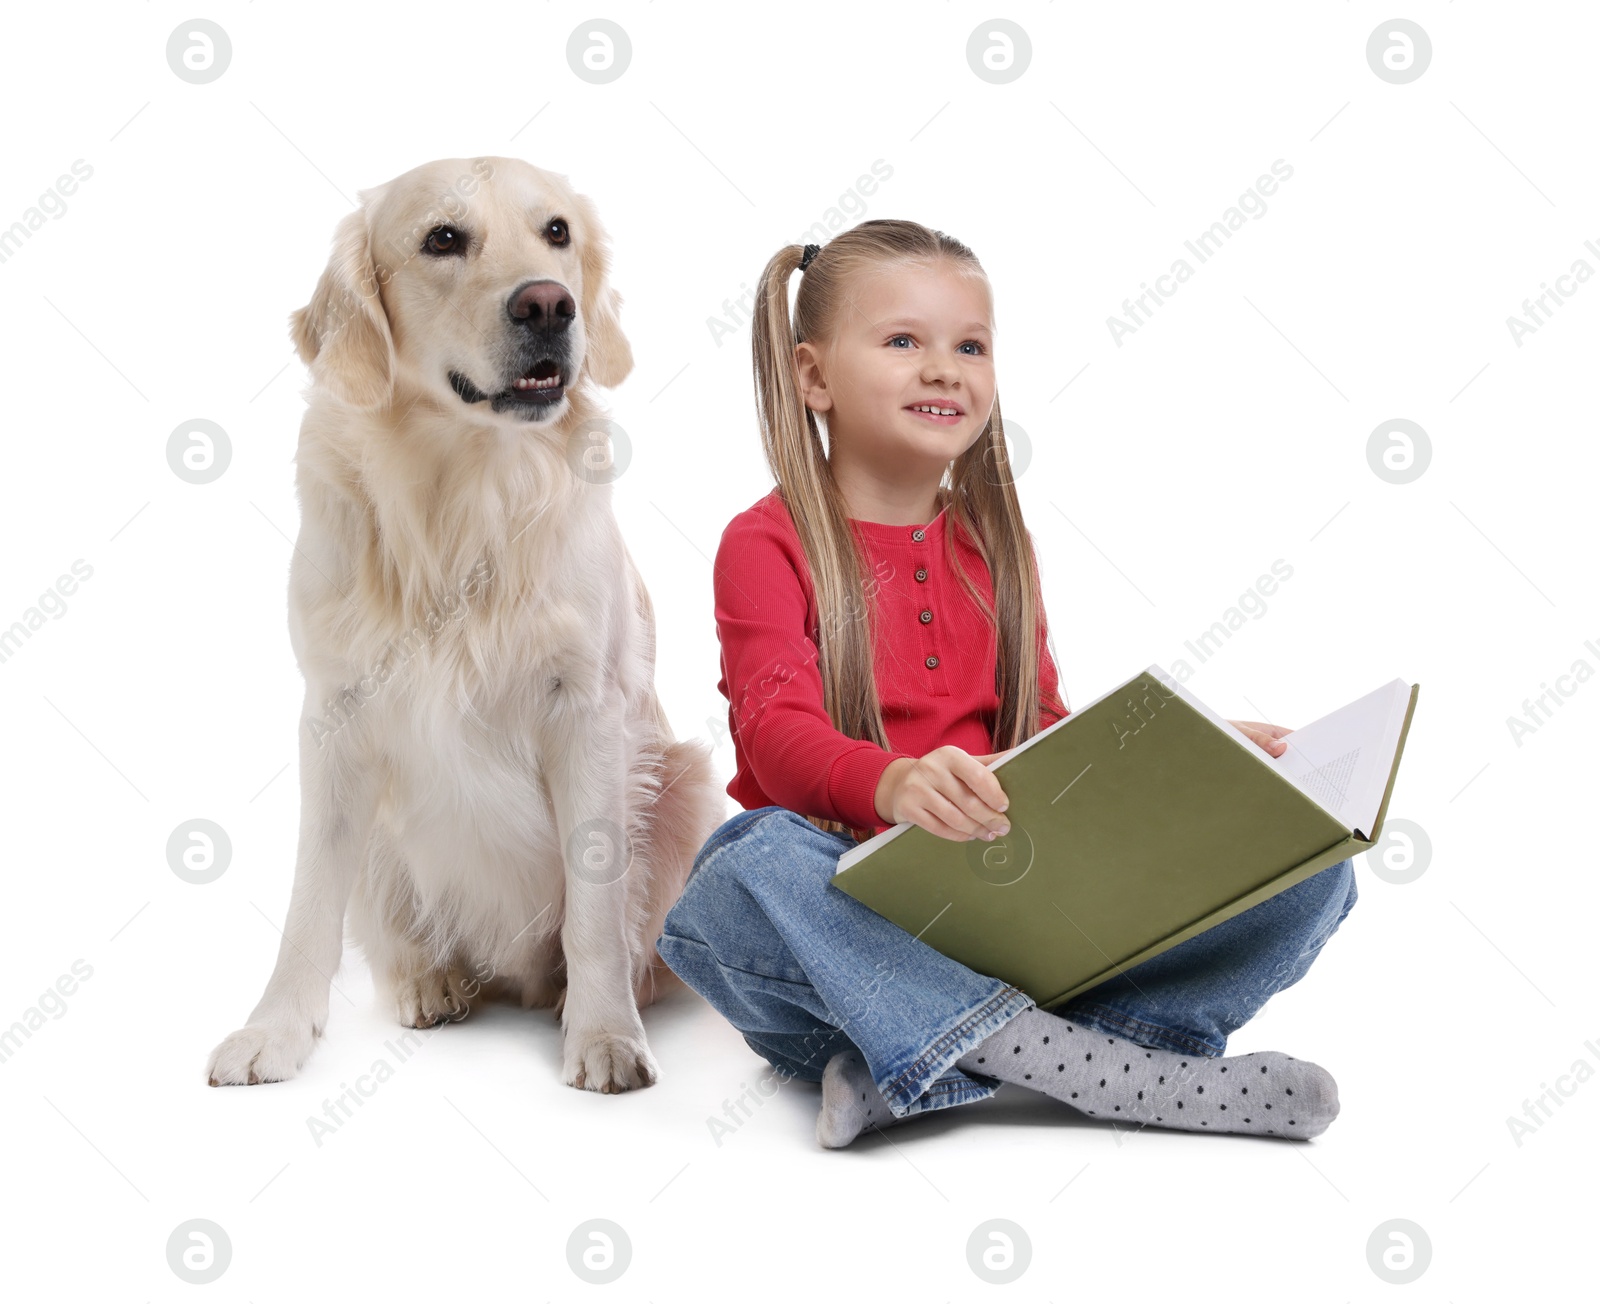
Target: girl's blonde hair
{"x": 977, "y": 489}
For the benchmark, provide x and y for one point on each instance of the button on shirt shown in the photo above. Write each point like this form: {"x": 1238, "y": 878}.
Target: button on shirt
{"x": 934, "y": 663}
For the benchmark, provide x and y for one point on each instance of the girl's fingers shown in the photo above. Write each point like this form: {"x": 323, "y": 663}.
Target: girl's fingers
{"x": 1260, "y": 737}
{"x": 939, "y": 828}
{"x": 983, "y": 784}
{"x": 952, "y": 812}
{"x": 977, "y": 817}
{"x": 941, "y": 818}
{"x": 1271, "y": 730}
{"x": 1268, "y": 737}
{"x": 976, "y": 790}
{"x": 957, "y": 796}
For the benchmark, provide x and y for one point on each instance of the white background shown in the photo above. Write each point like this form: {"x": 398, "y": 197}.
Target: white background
{"x": 1166, "y": 474}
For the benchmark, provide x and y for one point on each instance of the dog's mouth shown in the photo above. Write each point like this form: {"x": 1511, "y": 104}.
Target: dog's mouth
{"x": 541, "y": 387}
{"x": 543, "y": 384}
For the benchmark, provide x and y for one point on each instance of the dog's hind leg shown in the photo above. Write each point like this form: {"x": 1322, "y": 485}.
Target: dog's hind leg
{"x": 403, "y": 953}
{"x": 687, "y": 810}
{"x": 545, "y": 986}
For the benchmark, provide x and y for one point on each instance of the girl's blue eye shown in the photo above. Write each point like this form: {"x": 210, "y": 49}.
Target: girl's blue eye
{"x": 962, "y": 345}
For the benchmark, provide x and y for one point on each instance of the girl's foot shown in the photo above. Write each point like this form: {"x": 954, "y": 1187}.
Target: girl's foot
{"x": 850, "y": 1101}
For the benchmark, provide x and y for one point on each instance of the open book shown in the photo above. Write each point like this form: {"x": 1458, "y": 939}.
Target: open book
{"x": 1137, "y": 821}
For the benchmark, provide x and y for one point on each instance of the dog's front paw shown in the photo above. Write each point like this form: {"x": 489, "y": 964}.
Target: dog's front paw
{"x": 260, "y": 1052}
{"x": 607, "y": 1061}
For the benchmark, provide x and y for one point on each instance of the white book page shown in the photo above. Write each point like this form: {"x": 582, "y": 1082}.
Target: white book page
{"x": 1343, "y": 760}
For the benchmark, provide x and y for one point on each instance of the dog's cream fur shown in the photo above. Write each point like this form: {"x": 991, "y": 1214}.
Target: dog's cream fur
{"x": 489, "y": 786}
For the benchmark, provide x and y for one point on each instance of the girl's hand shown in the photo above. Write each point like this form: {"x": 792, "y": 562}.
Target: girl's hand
{"x": 947, "y": 792}
{"x": 1269, "y": 736}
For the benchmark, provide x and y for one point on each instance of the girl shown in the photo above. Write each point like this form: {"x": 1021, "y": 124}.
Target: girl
{"x": 880, "y": 620}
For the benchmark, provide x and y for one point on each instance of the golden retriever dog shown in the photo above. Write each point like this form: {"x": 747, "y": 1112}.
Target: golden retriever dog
{"x": 490, "y": 792}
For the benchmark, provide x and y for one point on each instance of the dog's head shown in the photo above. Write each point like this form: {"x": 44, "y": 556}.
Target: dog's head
{"x": 485, "y": 282}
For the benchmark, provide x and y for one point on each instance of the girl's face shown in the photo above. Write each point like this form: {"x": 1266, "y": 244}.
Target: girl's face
{"x": 906, "y": 340}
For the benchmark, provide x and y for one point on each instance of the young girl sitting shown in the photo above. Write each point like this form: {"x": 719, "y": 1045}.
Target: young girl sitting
{"x": 883, "y": 638}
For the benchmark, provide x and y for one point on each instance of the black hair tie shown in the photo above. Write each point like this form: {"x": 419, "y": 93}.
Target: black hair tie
{"x": 811, "y": 252}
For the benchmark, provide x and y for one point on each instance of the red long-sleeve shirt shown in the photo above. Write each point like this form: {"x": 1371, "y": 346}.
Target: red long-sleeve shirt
{"x": 934, "y": 663}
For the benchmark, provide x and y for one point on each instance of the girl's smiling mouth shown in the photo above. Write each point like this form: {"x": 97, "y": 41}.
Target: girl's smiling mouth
{"x": 940, "y": 413}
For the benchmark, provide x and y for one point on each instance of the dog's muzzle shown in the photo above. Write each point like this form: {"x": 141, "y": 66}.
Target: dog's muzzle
{"x": 541, "y": 314}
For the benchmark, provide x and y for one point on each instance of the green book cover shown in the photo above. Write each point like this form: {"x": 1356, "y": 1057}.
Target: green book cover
{"x": 1137, "y": 821}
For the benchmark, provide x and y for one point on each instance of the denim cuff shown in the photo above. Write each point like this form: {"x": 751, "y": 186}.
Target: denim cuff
{"x": 913, "y": 1091}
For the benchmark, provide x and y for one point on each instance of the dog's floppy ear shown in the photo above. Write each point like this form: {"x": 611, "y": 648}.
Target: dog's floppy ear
{"x": 608, "y": 357}
{"x": 343, "y": 333}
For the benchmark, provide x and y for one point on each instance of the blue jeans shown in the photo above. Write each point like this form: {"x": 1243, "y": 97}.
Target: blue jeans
{"x": 803, "y": 970}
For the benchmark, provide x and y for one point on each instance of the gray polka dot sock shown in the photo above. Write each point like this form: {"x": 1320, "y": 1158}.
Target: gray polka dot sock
{"x": 1264, "y": 1093}
{"x": 851, "y": 1102}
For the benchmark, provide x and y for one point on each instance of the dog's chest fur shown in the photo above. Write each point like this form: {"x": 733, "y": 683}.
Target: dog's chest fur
{"x": 489, "y": 630}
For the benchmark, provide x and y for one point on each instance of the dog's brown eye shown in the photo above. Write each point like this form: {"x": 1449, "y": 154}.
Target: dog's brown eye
{"x": 556, "y": 229}
{"x": 443, "y": 240}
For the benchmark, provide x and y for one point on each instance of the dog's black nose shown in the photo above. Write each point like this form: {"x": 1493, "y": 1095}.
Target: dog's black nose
{"x": 543, "y": 305}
